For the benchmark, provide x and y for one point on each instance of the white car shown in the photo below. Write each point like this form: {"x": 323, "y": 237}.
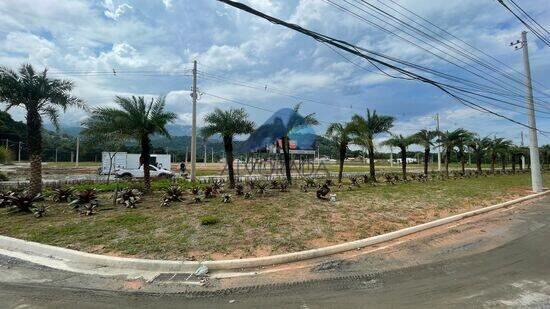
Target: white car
{"x": 138, "y": 173}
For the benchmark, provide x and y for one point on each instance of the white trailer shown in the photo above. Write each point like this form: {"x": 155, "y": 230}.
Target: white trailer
{"x": 130, "y": 161}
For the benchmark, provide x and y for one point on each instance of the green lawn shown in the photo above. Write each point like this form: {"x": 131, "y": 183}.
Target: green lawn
{"x": 274, "y": 223}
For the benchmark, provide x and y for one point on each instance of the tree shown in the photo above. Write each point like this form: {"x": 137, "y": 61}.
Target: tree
{"x": 425, "y": 139}
{"x": 496, "y": 147}
{"x": 340, "y": 134}
{"x": 134, "y": 119}
{"x": 295, "y": 121}
{"x": 447, "y": 141}
{"x": 479, "y": 147}
{"x": 365, "y": 129}
{"x": 40, "y": 96}
{"x": 227, "y": 124}
{"x": 402, "y": 143}
{"x": 461, "y": 137}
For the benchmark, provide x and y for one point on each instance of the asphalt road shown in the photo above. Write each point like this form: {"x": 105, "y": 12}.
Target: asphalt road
{"x": 514, "y": 274}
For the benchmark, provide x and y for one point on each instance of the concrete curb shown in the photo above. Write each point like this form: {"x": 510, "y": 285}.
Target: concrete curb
{"x": 33, "y": 252}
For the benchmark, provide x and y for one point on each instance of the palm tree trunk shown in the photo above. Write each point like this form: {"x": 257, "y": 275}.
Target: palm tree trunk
{"x": 228, "y": 146}
{"x": 286, "y": 155}
{"x": 371, "y": 161}
{"x": 478, "y": 162}
{"x": 503, "y": 161}
{"x": 34, "y": 139}
{"x": 404, "y": 162}
{"x": 447, "y": 158}
{"x": 462, "y": 161}
{"x": 514, "y": 163}
{"x": 342, "y": 158}
{"x": 426, "y": 159}
{"x": 493, "y": 162}
{"x": 145, "y": 158}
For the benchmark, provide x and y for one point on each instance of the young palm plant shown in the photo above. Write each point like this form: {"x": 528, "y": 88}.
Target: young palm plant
{"x": 425, "y": 139}
{"x": 365, "y": 129}
{"x": 134, "y": 119}
{"x": 40, "y": 96}
{"x": 447, "y": 140}
{"x": 402, "y": 143}
{"x": 340, "y": 134}
{"x": 228, "y": 124}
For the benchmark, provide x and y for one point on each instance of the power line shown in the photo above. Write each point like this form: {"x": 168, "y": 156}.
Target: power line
{"x": 355, "y": 50}
{"x": 442, "y": 30}
{"x": 504, "y": 86}
{"x": 533, "y": 29}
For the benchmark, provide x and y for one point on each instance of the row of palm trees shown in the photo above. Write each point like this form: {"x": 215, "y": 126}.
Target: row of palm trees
{"x": 134, "y": 118}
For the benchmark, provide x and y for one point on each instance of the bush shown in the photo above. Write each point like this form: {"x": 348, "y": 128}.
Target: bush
{"x": 3, "y": 177}
{"x": 5, "y": 155}
{"x": 209, "y": 220}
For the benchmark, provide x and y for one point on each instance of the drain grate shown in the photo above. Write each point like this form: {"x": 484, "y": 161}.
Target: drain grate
{"x": 175, "y": 277}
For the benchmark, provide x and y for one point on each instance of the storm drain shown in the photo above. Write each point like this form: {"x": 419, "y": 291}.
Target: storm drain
{"x": 164, "y": 277}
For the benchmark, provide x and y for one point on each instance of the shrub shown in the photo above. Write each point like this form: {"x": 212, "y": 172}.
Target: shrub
{"x": 5, "y": 200}
{"x": 62, "y": 194}
{"x": 209, "y": 220}
{"x": 24, "y": 202}
{"x": 129, "y": 197}
{"x": 86, "y": 202}
{"x": 262, "y": 187}
{"x": 323, "y": 191}
{"x": 3, "y": 177}
{"x": 174, "y": 193}
{"x": 239, "y": 189}
{"x": 5, "y": 155}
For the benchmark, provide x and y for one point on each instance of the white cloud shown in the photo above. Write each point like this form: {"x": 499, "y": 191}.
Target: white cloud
{"x": 223, "y": 57}
{"x": 167, "y": 3}
{"x": 115, "y": 11}
{"x": 34, "y": 48}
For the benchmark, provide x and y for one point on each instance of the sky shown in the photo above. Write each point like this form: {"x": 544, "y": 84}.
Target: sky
{"x": 246, "y": 62}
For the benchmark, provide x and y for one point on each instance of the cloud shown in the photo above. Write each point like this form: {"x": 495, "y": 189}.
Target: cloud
{"x": 33, "y": 47}
{"x": 167, "y": 3}
{"x": 115, "y": 11}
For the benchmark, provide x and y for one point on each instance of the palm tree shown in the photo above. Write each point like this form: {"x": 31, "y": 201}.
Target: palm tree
{"x": 496, "y": 147}
{"x": 479, "y": 146}
{"x": 425, "y": 139}
{"x": 228, "y": 124}
{"x": 402, "y": 143}
{"x": 295, "y": 121}
{"x": 461, "y": 138}
{"x": 366, "y": 129}
{"x": 447, "y": 141}
{"x": 134, "y": 119}
{"x": 40, "y": 96}
{"x": 340, "y": 134}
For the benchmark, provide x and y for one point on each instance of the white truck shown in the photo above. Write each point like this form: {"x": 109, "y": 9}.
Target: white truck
{"x": 115, "y": 162}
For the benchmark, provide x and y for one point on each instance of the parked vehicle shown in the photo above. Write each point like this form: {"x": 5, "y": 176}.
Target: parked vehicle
{"x": 138, "y": 173}
{"x": 129, "y": 161}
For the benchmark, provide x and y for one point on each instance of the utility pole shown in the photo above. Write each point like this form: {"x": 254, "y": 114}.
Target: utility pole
{"x": 438, "y": 144}
{"x": 205, "y": 153}
{"x": 19, "y": 153}
{"x": 55, "y": 154}
{"x": 391, "y": 156}
{"x": 194, "y": 124}
{"x": 536, "y": 177}
{"x": 77, "y": 149}
{"x": 212, "y": 155}
{"x": 186, "y": 152}
{"x": 7, "y": 144}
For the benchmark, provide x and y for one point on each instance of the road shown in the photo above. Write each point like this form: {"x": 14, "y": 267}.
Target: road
{"x": 516, "y": 273}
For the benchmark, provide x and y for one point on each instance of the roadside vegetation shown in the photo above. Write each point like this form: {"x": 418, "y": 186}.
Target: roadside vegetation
{"x": 260, "y": 218}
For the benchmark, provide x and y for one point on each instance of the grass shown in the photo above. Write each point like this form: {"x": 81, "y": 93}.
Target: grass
{"x": 275, "y": 223}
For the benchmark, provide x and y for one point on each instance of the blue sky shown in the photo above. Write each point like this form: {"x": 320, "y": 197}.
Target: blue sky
{"x": 152, "y": 43}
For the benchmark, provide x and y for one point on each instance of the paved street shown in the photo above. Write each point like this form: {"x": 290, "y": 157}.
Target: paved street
{"x": 515, "y": 273}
